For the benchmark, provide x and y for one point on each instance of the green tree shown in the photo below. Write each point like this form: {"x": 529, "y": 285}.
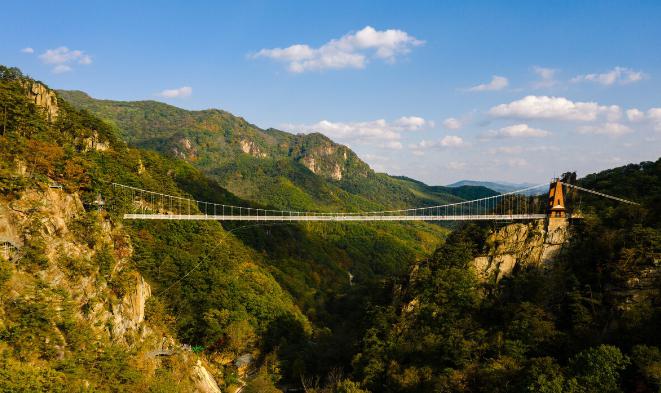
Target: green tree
{"x": 597, "y": 370}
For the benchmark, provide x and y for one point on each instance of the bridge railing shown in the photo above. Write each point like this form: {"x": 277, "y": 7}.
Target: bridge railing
{"x": 517, "y": 203}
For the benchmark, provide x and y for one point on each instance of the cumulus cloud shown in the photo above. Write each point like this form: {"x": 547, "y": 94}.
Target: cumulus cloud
{"x": 62, "y": 58}
{"x": 620, "y": 75}
{"x": 611, "y": 129}
{"x": 27, "y": 50}
{"x": 413, "y": 123}
{"x": 452, "y": 124}
{"x": 381, "y": 133}
{"x": 556, "y": 108}
{"x": 517, "y": 131}
{"x": 451, "y": 141}
{"x": 546, "y": 77}
{"x": 352, "y": 50}
{"x": 448, "y": 141}
{"x": 654, "y": 115}
{"x": 497, "y": 83}
{"x": 181, "y": 92}
{"x": 635, "y": 115}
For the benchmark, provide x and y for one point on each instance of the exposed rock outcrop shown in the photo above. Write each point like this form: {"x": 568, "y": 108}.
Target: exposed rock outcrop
{"x": 310, "y": 163}
{"x": 94, "y": 142}
{"x": 204, "y": 382}
{"x": 250, "y": 147}
{"x": 44, "y": 98}
{"x": 519, "y": 245}
{"x": 129, "y": 313}
{"x": 86, "y": 258}
{"x": 185, "y": 149}
{"x": 328, "y": 161}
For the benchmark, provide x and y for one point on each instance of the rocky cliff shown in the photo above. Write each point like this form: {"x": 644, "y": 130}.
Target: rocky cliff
{"x": 516, "y": 245}
{"x": 43, "y": 97}
{"x": 77, "y": 265}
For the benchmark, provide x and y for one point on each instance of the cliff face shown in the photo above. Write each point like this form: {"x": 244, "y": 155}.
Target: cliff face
{"x": 50, "y": 222}
{"x": 43, "y": 97}
{"x": 517, "y": 245}
{"x": 76, "y": 264}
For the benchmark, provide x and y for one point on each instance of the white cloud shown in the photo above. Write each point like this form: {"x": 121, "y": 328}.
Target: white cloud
{"x": 557, "y": 108}
{"x": 413, "y": 123}
{"x": 62, "y": 58}
{"x": 352, "y": 50}
{"x": 521, "y": 149}
{"x": 546, "y": 77}
{"x": 379, "y": 132}
{"x": 64, "y": 55}
{"x": 507, "y": 150}
{"x": 653, "y": 117}
{"x": 517, "y": 131}
{"x": 611, "y": 129}
{"x": 635, "y": 115}
{"x": 452, "y": 124}
{"x": 451, "y": 141}
{"x": 448, "y": 141}
{"x": 654, "y": 114}
{"x": 61, "y": 68}
{"x": 181, "y": 92}
{"x": 497, "y": 83}
{"x": 620, "y": 75}
{"x": 27, "y": 50}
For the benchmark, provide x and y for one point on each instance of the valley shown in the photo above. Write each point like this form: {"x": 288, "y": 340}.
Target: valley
{"x": 93, "y": 302}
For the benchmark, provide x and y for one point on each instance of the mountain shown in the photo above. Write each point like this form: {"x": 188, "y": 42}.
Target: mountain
{"x": 526, "y": 308}
{"x": 271, "y": 167}
{"x": 466, "y": 192}
{"x": 111, "y": 293}
{"x": 90, "y": 302}
{"x": 500, "y": 187}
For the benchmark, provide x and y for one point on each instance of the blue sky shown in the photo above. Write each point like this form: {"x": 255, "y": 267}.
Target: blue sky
{"x": 438, "y": 90}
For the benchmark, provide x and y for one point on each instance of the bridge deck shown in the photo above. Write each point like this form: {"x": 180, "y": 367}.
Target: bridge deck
{"x": 320, "y": 217}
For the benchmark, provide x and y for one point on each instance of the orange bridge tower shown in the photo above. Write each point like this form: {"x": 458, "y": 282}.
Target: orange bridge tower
{"x": 556, "y": 206}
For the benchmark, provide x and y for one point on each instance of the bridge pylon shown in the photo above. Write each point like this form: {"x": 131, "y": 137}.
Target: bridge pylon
{"x": 556, "y": 211}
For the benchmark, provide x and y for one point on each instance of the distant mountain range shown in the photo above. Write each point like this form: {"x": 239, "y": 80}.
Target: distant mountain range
{"x": 500, "y": 187}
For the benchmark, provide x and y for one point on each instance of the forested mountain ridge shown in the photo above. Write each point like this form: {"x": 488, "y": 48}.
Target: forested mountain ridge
{"x": 279, "y": 293}
{"x": 85, "y": 298}
{"x": 487, "y": 314}
{"x": 242, "y": 284}
{"x": 303, "y": 171}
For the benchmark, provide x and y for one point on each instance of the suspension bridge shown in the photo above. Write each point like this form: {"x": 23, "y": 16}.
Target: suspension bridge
{"x": 512, "y": 206}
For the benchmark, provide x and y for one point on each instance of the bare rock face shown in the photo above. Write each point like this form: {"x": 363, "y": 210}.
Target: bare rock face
{"x": 44, "y": 98}
{"x": 204, "y": 382}
{"x": 55, "y": 211}
{"x": 310, "y": 163}
{"x": 249, "y": 147}
{"x": 10, "y": 239}
{"x": 94, "y": 143}
{"x": 337, "y": 172}
{"x": 519, "y": 245}
{"x": 185, "y": 149}
{"x": 129, "y": 314}
{"x": 111, "y": 302}
{"x": 326, "y": 161}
